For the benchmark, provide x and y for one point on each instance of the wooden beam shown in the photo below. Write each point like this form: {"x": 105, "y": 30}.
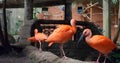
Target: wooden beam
{"x": 86, "y": 24}
{"x": 49, "y": 3}
{"x": 106, "y": 18}
{"x": 28, "y": 9}
{"x": 90, "y": 7}
{"x": 5, "y": 43}
{"x": 68, "y": 11}
{"x": 38, "y": 3}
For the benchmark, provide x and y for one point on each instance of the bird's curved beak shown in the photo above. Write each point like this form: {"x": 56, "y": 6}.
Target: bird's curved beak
{"x": 81, "y": 37}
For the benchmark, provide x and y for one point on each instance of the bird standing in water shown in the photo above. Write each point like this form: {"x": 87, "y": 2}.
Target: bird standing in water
{"x": 39, "y": 37}
{"x": 99, "y": 42}
{"x": 62, "y": 34}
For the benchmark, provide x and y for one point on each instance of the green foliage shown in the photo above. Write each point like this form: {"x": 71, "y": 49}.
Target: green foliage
{"x": 115, "y": 1}
{"x": 15, "y": 31}
{"x": 18, "y": 25}
{"x": 115, "y": 56}
{"x": 35, "y": 11}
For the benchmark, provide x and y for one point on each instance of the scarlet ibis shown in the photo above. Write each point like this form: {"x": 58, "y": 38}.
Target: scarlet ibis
{"x": 99, "y": 42}
{"x": 32, "y": 39}
{"x": 62, "y": 34}
{"x": 39, "y": 37}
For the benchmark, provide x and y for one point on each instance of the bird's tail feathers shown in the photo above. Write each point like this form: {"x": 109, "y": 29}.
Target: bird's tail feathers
{"x": 31, "y": 39}
{"x": 28, "y": 39}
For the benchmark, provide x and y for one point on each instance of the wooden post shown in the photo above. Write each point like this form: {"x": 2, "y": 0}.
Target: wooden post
{"x": 5, "y": 43}
{"x": 91, "y": 12}
{"x": 106, "y": 18}
{"x": 118, "y": 29}
{"x": 28, "y": 5}
{"x": 68, "y": 11}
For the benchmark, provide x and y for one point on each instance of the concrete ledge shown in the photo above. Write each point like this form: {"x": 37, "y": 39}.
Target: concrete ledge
{"x": 47, "y": 57}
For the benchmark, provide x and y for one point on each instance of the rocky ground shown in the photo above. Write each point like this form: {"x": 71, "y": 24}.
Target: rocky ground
{"x": 9, "y": 59}
{"x": 13, "y": 58}
{"x": 32, "y": 55}
{"x": 16, "y": 56}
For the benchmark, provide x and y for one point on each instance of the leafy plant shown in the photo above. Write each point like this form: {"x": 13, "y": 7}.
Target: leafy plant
{"x": 115, "y": 56}
{"x": 115, "y": 1}
{"x": 35, "y": 11}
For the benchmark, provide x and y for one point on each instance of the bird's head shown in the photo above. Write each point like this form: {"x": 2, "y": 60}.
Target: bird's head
{"x": 35, "y": 31}
{"x": 85, "y": 33}
{"x": 73, "y": 22}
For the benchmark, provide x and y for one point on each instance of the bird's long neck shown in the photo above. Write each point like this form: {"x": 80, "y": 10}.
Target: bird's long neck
{"x": 73, "y": 24}
{"x": 88, "y": 37}
{"x": 74, "y": 28}
{"x": 35, "y": 31}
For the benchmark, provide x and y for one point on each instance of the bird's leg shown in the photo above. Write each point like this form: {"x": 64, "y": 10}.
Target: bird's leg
{"x": 40, "y": 48}
{"x": 63, "y": 53}
{"x": 104, "y": 60}
{"x": 35, "y": 44}
{"x": 97, "y": 61}
{"x": 106, "y": 57}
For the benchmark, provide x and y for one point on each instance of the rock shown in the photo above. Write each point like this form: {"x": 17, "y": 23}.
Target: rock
{"x": 47, "y": 57}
